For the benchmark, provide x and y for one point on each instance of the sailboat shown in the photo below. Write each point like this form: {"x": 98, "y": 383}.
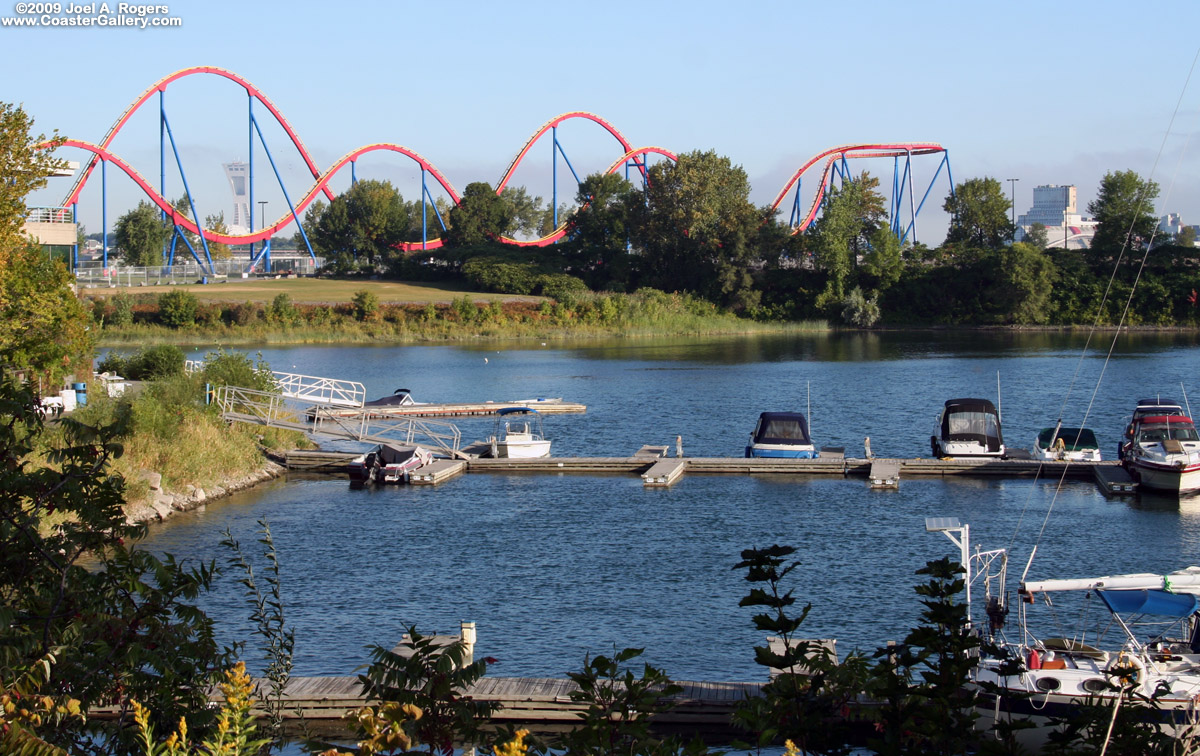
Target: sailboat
{"x": 1143, "y": 639}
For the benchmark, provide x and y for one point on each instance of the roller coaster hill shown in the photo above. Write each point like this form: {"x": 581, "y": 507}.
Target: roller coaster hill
{"x": 826, "y": 168}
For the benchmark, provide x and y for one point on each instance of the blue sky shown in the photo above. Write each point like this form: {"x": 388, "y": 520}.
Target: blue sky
{"x": 1047, "y": 92}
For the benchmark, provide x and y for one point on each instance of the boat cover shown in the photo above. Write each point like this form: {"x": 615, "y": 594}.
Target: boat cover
{"x": 1076, "y": 439}
{"x": 1159, "y": 603}
{"x": 400, "y": 398}
{"x": 515, "y": 410}
{"x": 782, "y": 428}
{"x": 394, "y": 455}
{"x": 972, "y": 420}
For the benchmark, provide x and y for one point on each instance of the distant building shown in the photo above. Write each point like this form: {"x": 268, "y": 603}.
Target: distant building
{"x": 1055, "y": 207}
{"x": 1170, "y": 224}
{"x": 238, "y": 174}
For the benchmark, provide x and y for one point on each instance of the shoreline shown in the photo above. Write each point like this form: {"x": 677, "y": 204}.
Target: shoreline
{"x": 162, "y": 504}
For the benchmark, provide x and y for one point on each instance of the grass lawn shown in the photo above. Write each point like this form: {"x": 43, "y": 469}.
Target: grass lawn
{"x": 312, "y": 291}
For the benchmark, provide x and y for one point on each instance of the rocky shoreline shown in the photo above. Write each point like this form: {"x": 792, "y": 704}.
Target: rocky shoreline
{"x": 162, "y": 503}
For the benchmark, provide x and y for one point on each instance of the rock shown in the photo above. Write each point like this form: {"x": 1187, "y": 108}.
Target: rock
{"x": 153, "y": 478}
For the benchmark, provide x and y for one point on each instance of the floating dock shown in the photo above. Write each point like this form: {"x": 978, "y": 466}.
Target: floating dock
{"x": 461, "y": 409}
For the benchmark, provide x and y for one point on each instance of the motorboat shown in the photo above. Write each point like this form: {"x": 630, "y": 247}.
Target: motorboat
{"x": 519, "y": 439}
{"x": 1164, "y": 454}
{"x": 968, "y": 428}
{"x": 1146, "y": 408}
{"x": 388, "y": 463}
{"x": 783, "y": 435}
{"x": 1138, "y": 635}
{"x": 1066, "y": 444}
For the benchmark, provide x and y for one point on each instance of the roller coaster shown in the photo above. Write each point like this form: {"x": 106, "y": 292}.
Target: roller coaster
{"x": 633, "y": 160}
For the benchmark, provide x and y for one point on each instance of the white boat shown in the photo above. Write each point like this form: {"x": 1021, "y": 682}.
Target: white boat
{"x": 1146, "y": 408}
{"x": 1138, "y": 634}
{"x": 1164, "y": 454}
{"x": 967, "y": 428}
{"x": 1066, "y": 444}
{"x": 781, "y": 435}
{"x": 519, "y": 439}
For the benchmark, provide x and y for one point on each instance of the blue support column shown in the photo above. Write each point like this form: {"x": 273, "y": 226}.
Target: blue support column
{"x": 162, "y": 152}
{"x": 188, "y": 193}
{"x": 286, "y": 197}
{"x": 354, "y": 172}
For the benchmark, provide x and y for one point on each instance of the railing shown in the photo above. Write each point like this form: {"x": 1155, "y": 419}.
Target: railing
{"x": 92, "y": 273}
{"x": 49, "y": 215}
{"x": 321, "y": 390}
{"x": 259, "y": 407}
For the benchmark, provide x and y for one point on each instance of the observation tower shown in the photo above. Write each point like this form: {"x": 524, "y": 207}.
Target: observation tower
{"x": 237, "y": 172}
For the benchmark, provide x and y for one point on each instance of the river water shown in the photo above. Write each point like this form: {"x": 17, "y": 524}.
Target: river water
{"x": 553, "y": 567}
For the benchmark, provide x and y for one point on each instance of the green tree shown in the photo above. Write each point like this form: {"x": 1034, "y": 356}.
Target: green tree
{"x": 118, "y": 619}
{"x": 369, "y": 220}
{"x": 23, "y": 169}
{"x": 1023, "y": 284}
{"x": 1124, "y": 213}
{"x": 978, "y": 214}
{"x": 43, "y": 325}
{"x": 480, "y": 216}
{"x": 141, "y": 235}
{"x": 852, "y": 213}
{"x": 1186, "y": 237}
{"x": 885, "y": 260}
{"x": 696, "y": 227}
{"x": 216, "y": 224}
{"x": 366, "y": 305}
{"x": 598, "y": 233}
{"x": 177, "y": 309}
{"x": 527, "y": 211}
{"x": 1037, "y": 236}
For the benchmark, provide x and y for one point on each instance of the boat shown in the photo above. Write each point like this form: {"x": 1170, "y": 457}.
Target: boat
{"x": 1164, "y": 454}
{"x": 519, "y": 439}
{"x": 1067, "y": 444}
{"x": 967, "y": 428}
{"x": 781, "y": 435}
{"x": 1137, "y": 634}
{"x": 1146, "y": 408}
{"x": 387, "y": 463}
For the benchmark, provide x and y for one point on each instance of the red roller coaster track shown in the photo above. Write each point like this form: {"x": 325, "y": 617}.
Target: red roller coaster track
{"x": 322, "y": 179}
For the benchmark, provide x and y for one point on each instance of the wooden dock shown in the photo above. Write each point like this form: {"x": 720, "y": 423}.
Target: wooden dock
{"x": 663, "y": 473}
{"x": 437, "y": 471}
{"x": 461, "y": 409}
{"x": 537, "y": 702}
{"x": 1114, "y": 480}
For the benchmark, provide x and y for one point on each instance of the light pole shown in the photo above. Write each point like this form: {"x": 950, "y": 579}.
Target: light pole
{"x": 1012, "y": 192}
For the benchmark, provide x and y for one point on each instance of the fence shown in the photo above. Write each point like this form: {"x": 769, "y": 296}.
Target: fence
{"x": 90, "y": 274}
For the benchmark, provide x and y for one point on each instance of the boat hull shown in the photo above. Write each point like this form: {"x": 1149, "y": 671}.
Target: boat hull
{"x": 523, "y": 449}
{"x": 1169, "y": 478}
{"x": 771, "y": 451}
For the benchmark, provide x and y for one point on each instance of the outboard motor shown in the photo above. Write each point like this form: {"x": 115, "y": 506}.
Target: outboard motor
{"x": 997, "y": 613}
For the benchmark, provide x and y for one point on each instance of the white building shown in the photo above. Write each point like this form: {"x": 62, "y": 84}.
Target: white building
{"x": 1056, "y": 208}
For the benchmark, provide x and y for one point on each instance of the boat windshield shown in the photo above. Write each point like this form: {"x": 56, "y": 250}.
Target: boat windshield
{"x": 972, "y": 424}
{"x": 782, "y": 429}
{"x": 1159, "y": 433}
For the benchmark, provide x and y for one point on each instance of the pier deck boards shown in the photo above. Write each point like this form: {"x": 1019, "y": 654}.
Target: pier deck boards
{"x": 522, "y": 700}
{"x": 1114, "y": 479}
{"x": 663, "y": 473}
{"x": 437, "y": 471}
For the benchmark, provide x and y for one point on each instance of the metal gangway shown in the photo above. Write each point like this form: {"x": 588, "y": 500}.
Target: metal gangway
{"x": 275, "y": 410}
{"x": 311, "y": 388}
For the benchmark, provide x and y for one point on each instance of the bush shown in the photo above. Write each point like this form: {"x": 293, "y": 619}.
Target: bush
{"x": 561, "y": 287}
{"x": 366, "y": 305}
{"x": 121, "y": 315}
{"x": 177, "y": 309}
{"x": 223, "y": 368}
{"x": 145, "y": 364}
{"x": 859, "y": 311}
{"x": 495, "y": 274}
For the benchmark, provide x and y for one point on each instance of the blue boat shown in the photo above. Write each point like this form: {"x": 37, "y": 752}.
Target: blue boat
{"x": 783, "y": 435}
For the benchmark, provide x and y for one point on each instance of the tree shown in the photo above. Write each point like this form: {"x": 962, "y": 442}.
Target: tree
{"x": 527, "y": 212}
{"x": 1022, "y": 285}
{"x": 1124, "y": 212}
{"x": 851, "y": 215}
{"x": 885, "y": 261}
{"x": 1037, "y": 236}
{"x": 479, "y": 217}
{"x": 216, "y": 224}
{"x": 598, "y": 233}
{"x": 979, "y": 214}
{"x": 370, "y": 219}
{"x": 1186, "y": 237}
{"x": 42, "y": 324}
{"x": 696, "y": 227}
{"x": 117, "y": 618}
{"x": 141, "y": 234}
{"x": 23, "y": 169}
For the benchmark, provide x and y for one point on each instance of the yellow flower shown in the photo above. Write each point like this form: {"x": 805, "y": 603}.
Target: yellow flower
{"x": 790, "y": 748}
{"x": 514, "y": 747}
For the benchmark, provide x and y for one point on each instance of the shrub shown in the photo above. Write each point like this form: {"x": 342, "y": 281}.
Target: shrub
{"x": 561, "y": 287}
{"x": 495, "y": 274}
{"x": 177, "y": 309}
{"x": 121, "y": 314}
{"x": 366, "y": 305}
{"x": 282, "y": 310}
{"x": 858, "y": 310}
{"x": 223, "y": 368}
